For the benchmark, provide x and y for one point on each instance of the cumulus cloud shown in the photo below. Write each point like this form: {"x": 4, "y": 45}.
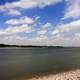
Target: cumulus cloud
{"x": 13, "y": 12}
{"x": 72, "y": 9}
{"x": 17, "y": 29}
{"x": 41, "y": 32}
{"x": 44, "y": 29}
{"x": 21, "y": 40}
{"x": 46, "y": 26}
{"x": 67, "y": 34}
{"x": 13, "y": 39}
{"x": 10, "y": 35}
{"x": 29, "y": 3}
{"x": 11, "y": 8}
{"x": 63, "y": 35}
{"x": 74, "y": 25}
{"x": 22, "y": 20}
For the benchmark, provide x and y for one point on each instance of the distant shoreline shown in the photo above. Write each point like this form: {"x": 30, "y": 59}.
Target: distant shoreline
{"x": 29, "y": 46}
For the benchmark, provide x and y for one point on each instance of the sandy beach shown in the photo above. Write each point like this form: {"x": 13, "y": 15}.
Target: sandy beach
{"x": 69, "y": 75}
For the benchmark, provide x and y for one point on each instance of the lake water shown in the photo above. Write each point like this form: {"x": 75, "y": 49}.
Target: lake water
{"x": 15, "y": 62}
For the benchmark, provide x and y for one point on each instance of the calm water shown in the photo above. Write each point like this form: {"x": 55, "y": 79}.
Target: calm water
{"x": 15, "y": 62}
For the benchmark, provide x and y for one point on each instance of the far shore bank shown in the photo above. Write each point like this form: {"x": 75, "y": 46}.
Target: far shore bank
{"x": 29, "y": 46}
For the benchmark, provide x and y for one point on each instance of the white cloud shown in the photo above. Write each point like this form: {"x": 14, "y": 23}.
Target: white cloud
{"x": 63, "y": 35}
{"x": 21, "y": 40}
{"x": 11, "y": 8}
{"x": 55, "y": 32}
{"x": 13, "y": 12}
{"x": 13, "y": 39}
{"x": 73, "y": 26}
{"x": 72, "y": 9}
{"x": 17, "y": 29}
{"x": 22, "y": 20}
{"x": 44, "y": 28}
{"x": 77, "y": 34}
{"x": 67, "y": 34}
{"x": 29, "y": 3}
{"x": 41, "y": 32}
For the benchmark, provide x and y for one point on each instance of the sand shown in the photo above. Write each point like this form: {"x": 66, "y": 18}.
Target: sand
{"x": 69, "y": 75}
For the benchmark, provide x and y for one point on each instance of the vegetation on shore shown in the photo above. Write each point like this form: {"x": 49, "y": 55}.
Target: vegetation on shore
{"x": 6, "y": 45}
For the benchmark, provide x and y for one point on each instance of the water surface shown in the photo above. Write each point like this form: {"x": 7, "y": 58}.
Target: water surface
{"x": 15, "y": 62}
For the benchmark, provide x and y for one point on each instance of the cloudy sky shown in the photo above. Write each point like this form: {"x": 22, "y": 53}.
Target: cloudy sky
{"x": 40, "y": 22}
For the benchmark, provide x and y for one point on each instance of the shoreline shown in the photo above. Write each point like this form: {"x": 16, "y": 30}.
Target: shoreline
{"x": 68, "y": 75}
{"x": 64, "y": 75}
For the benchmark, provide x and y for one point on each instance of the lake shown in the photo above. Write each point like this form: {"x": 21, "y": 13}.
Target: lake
{"x": 17, "y": 62}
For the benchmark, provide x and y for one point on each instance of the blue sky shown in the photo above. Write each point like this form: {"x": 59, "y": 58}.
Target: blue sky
{"x": 44, "y": 22}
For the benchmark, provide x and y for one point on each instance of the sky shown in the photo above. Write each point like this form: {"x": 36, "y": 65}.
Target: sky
{"x": 40, "y": 22}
